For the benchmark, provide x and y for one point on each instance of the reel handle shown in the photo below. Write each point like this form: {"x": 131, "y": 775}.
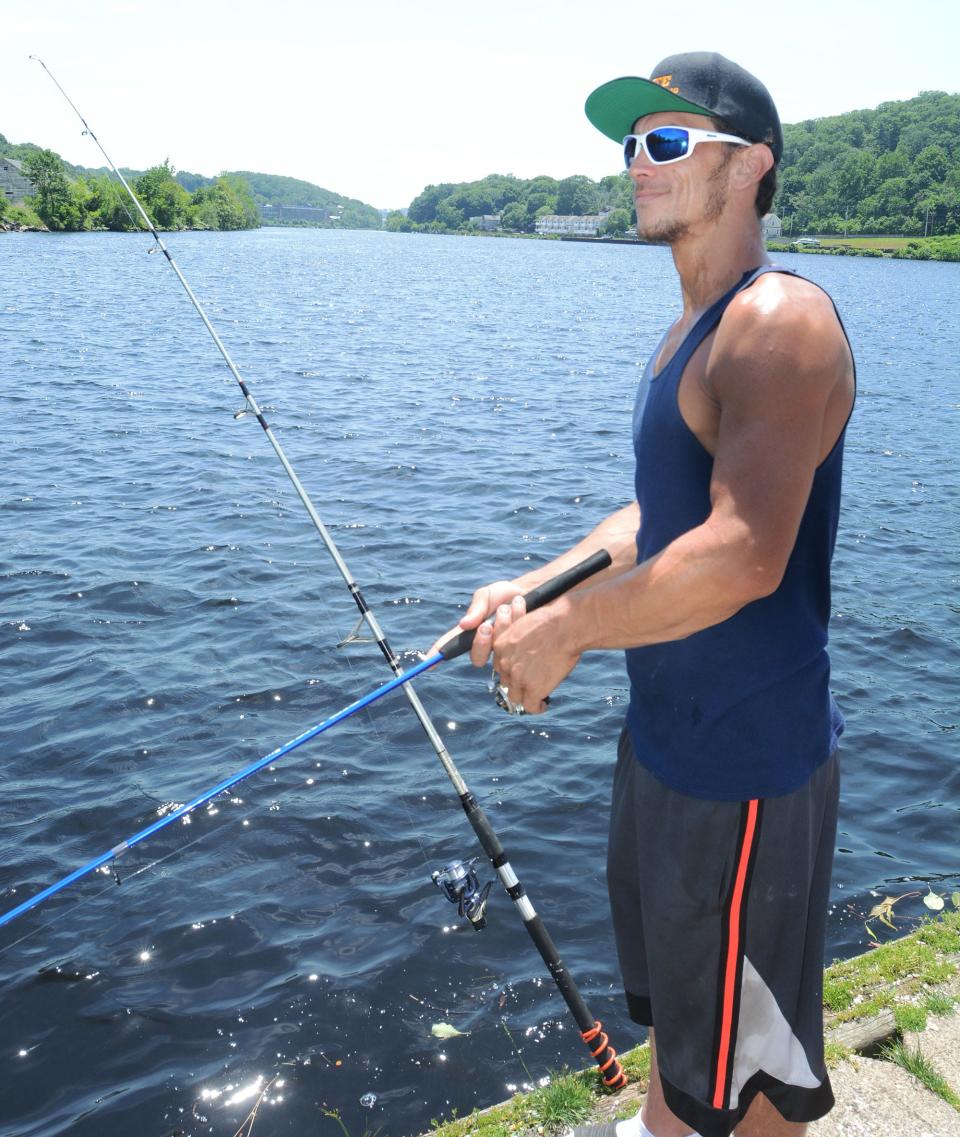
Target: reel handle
{"x": 537, "y": 597}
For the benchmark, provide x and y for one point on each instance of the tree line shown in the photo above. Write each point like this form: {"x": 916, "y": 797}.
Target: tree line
{"x": 343, "y": 212}
{"x": 97, "y": 201}
{"x": 449, "y": 207}
{"x": 892, "y": 170}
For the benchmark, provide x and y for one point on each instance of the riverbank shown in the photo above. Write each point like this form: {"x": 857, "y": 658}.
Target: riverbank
{"x": 892, "y": 1023}
{"x": 896, "y": 248}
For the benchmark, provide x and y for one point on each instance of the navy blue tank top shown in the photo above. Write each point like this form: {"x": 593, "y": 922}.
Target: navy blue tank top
{"x": 742, "y": 709}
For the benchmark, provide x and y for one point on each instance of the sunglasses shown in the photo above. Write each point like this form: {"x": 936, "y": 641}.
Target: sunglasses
{"x": 665, "y": 144}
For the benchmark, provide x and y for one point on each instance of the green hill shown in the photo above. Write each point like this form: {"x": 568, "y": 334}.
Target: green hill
{"x": 277, "y": 190}
{"x": 895, "y": 169}
{"x": 266, "y": 189}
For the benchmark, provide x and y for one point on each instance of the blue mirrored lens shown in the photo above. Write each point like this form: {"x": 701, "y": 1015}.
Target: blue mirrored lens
{"x": 665, "y": 145}
{"x": 668, "y": 144}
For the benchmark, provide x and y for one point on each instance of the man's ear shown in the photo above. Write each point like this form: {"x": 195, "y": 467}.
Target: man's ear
{"x": 752, "y": 163}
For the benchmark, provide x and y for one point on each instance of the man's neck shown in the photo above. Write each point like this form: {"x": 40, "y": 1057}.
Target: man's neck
{"x": 712, "y": 261}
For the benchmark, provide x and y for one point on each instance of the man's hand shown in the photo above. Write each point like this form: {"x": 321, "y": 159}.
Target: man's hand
{"x": 484, "y": 603}
{"x": 531, "y": 653}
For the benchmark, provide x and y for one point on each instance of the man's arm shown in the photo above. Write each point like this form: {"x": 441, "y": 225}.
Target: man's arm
{"x": 616, "y": 533}
{"x": 781, "y": 374}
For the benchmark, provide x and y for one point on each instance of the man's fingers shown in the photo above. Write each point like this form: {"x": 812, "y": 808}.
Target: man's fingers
{"x": 482, "y": 645}
{"x": 478, "y": 608}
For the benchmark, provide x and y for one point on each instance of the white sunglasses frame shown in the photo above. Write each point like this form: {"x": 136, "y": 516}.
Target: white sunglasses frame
{"x": 695, "y": 135}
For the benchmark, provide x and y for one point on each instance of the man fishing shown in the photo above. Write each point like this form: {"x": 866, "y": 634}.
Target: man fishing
{"x": 725, "y": 792}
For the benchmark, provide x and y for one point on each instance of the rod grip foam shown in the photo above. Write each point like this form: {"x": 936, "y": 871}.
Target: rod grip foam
{"x": 537, "y": 597}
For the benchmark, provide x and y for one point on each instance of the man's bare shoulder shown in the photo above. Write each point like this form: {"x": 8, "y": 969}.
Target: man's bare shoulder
{"x": 782, "y": 325}
{"x": 779, "y": 304}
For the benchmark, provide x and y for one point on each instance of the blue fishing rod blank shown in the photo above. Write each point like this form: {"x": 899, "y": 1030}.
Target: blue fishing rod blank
{"x": 455, "y": 646}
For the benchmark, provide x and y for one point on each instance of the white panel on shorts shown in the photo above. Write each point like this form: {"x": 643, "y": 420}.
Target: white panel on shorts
{"x": 765, "y": 1040}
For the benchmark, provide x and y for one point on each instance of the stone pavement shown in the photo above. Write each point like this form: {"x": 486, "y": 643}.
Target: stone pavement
{"x": 876, "y": 1098}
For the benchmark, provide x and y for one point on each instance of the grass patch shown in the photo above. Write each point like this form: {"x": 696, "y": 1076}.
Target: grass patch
{"x": 866, "y": 242}
{"x": 838, "y": 994}
{"x": 914, "y": 1062}
{"x": 834, "y": 1054}
{"x": 568, "y": 1099}
{"x": 564, "y": 1102}
{"x": 887, "y": 976}
{"x": 935, "y": 1004}
{"x": 894, "y": 972}
{"x": 910, "y": 1018}
{"x": 636, "y": 1064}
{"x": 942, "y": 934}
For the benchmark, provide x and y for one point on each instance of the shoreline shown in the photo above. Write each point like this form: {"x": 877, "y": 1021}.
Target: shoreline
{"x": 881, "y": 1009}
{"x": 946, "y": 250}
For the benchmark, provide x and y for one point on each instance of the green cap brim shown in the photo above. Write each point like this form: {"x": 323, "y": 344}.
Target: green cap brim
{"x": 616, "y": 106}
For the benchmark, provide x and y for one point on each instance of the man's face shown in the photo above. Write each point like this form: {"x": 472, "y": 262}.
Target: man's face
{"x": 672, "y": 200}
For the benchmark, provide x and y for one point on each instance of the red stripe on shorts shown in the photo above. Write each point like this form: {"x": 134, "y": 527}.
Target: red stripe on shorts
{"x": 731, "y": 965}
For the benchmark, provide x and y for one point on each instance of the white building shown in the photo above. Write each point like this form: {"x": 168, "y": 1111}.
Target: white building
{"x": 772, "y": 227}
{"x": 586, "y": 226}
{"x": 486, "y": 221}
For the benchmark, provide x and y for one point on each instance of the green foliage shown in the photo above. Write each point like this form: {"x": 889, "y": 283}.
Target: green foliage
{"x": 166, "y": 202}
{"x": 895, "y": 169}
{"x": 75, "y": 197}
{"x": 274, "y": 189}
{"x": 448, "y": 207}
{"x": 617, "y": 223}
{"x": 227, "y": 204}
{"x": 54, "y": 201}
{"x": 838, "y": 994}
{"x": 577, "y": 196}
{"x": 931, "y": 249}
{"x": 563, "y": 1102}
{"x": 107, "y": 204}
{"x": 939, "y": 1004}
{"x": 397, "y": 223}
{"x": 915, "y": 1063}
{"x": 23, "y": 215}
{"x": 909, "y": 1017}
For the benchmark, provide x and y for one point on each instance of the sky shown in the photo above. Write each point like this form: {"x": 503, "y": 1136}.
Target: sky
{"x": 375, "y": 99}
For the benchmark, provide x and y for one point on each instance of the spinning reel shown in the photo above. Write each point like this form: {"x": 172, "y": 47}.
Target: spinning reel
{"x": 458, "y": 881}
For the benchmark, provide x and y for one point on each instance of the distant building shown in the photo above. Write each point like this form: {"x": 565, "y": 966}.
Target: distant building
{"x": 299, "y": 213}
{"x": 772, "y": 227}
{"x": 14, "y": 184}
{"x": 586, "y": 226}
{"x": 487, "y": 221}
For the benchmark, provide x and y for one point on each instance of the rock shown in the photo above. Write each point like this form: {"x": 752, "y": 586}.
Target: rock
{"x": 875, "y": 1097}
{"x": 940, "y": 1045}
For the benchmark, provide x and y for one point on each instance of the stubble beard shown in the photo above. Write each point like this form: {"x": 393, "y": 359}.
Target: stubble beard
{"x": 671, "y": 230}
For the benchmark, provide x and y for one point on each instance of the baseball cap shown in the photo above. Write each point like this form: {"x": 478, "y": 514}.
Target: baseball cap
{"x": 698, "y": 82}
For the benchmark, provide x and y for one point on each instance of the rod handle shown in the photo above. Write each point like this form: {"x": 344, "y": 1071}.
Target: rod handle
{"x": 537, "y": 597}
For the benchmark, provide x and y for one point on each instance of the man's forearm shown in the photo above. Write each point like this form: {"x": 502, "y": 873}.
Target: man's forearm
{"x": 616, "y": 533}
{"x": 698, "y": 580}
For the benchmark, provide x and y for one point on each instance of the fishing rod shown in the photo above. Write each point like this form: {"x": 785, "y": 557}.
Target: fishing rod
{"x": 590, "y": 1028}
{"x": 453, "y": 647}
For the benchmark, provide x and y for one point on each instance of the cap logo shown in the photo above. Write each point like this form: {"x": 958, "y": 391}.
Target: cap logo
{"x": 664, "y": 81}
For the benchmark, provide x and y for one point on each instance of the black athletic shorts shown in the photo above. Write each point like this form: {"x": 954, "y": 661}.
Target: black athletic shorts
{"x": 719, "y": 911}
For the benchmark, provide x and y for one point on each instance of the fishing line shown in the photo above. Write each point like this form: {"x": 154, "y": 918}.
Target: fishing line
{"x": 590, "y": 1028}
{"x": 451, "y": 649}
{"x": 131, "y": 873}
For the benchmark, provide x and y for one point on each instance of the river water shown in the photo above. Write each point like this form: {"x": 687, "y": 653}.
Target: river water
{"x": 456, "y": 407}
